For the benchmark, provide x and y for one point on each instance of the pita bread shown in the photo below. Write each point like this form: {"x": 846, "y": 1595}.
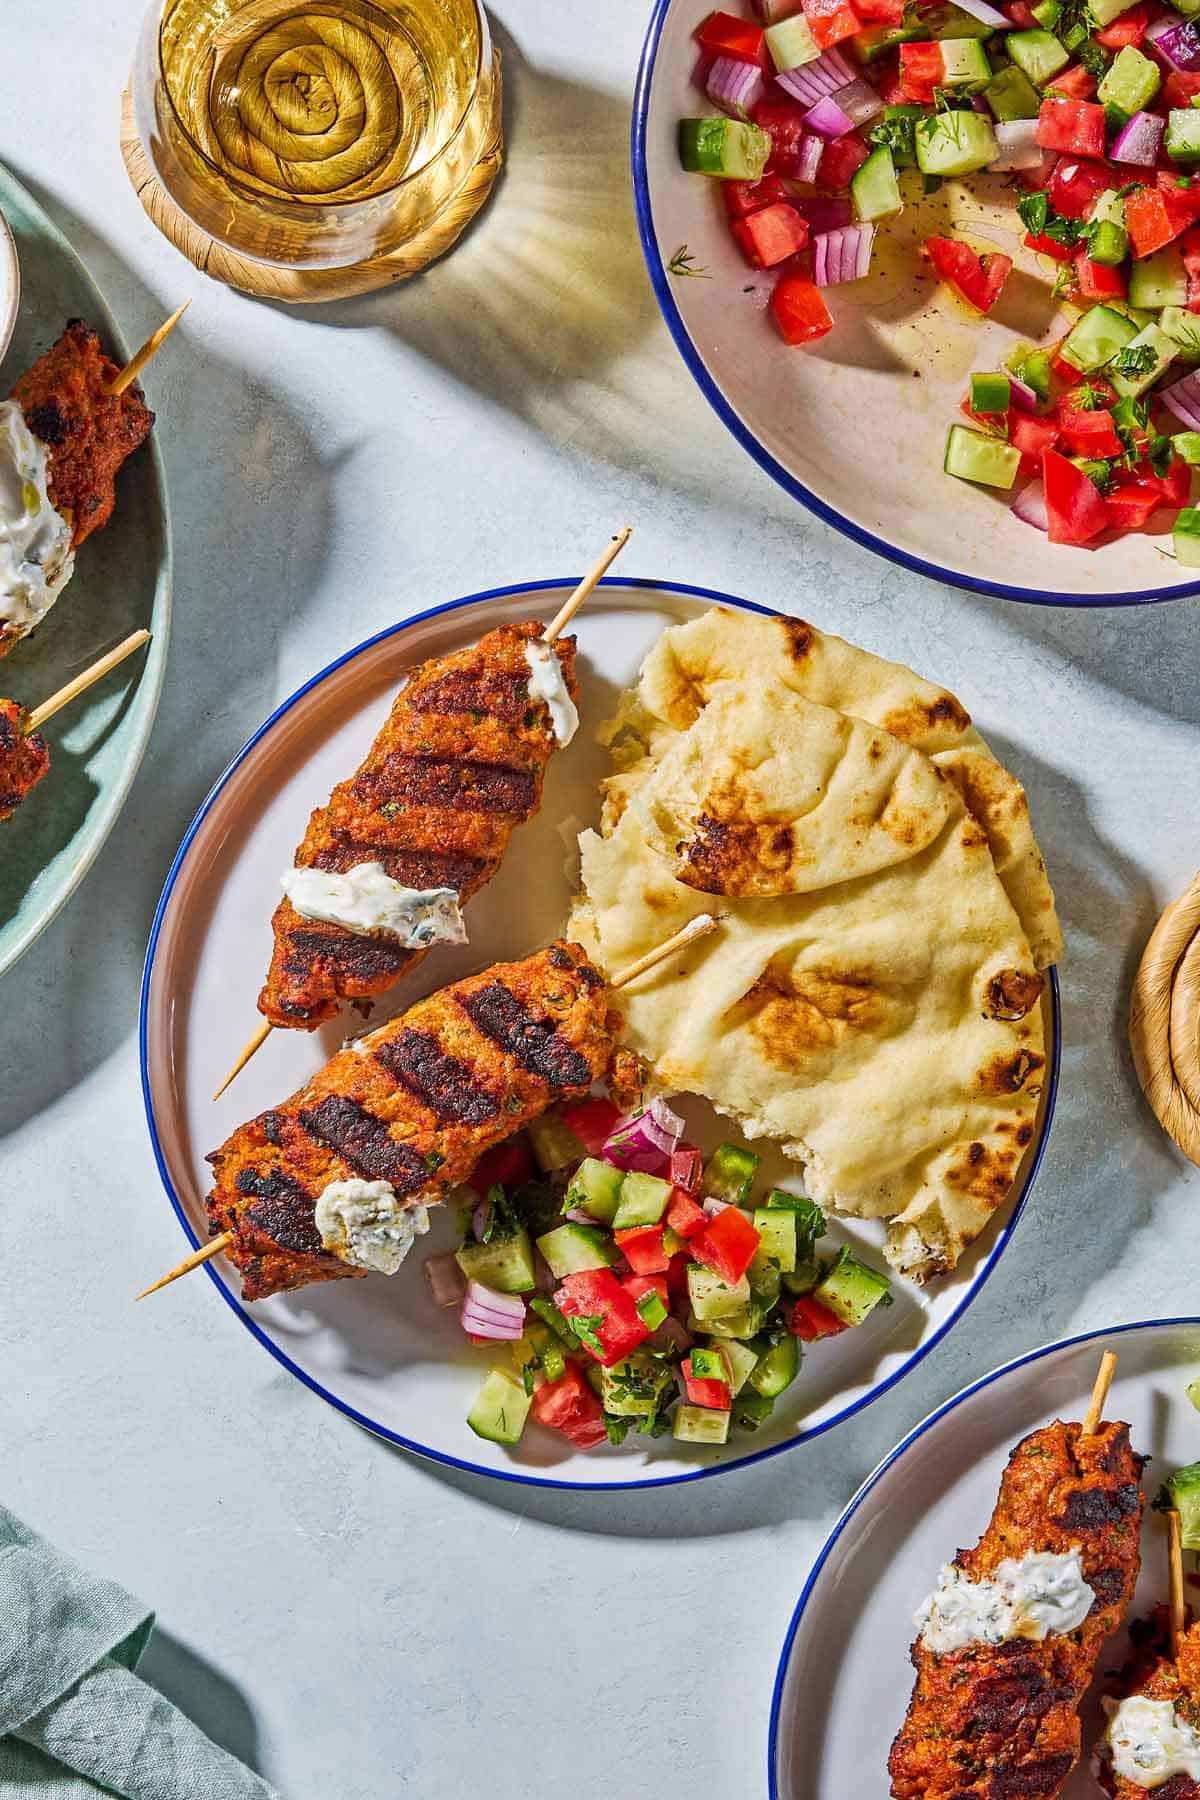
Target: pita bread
{"x": 770, "y": 793}
{"x": 689, "y": 661}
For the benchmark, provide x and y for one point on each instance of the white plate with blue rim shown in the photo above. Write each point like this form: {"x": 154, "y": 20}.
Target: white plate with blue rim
{"x": 380, "y": 1350}
{"x": 844, "y": 1675}
{"x": 855, "y": 425}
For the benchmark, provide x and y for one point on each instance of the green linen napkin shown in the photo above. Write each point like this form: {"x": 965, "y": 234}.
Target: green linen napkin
{"x": 75, "y": 1718}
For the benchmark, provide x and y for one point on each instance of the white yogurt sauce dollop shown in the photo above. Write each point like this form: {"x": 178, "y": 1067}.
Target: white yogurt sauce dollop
{"x": 365, "y": 899}
{"x": 547, "y": 682}
{"x": 365, "y": 1223}
{"x": 1027, "y": 1597}
{"x": 36, "y": 559}
{"x": 1148, "y": 1742}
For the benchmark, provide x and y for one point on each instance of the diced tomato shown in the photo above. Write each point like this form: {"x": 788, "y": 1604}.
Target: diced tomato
{"x": 705, "y": 1390}
{"x": 1034, "y": 180}
{"x": 637, "y": 1285}
{"x": 744, "y": 197}
{"x": 1087, "y": 395}
{"x": 979, "y": 279}
{"x": 727, "y": 1244}
{"x": 810, "y": 1320}
{"x": 1179, "y": 88}
{"x": 642, "y": 1248}
{"x": 677, "y": 1281}
{"x": 724, "y": 34}
{"x": 841, "y": 159}
{"x": 799, "y": 310}
{"x": 1076, "y": 185}
{"x": 783, "y": 121}
{"x": 1097, "y": 281}
{"x": 1021, "y": 15}
{"x": 1076, "y": 127}
{"x": 684, "y": 1172}
{"x": 1148, "y": 221}
{"x": 1189, "y": 244}
{"x": 1182, "y": 203}
{"x": 509, "y": 1164}
{"x": 1175, "y": 486}
{"x": 1130, "y": 28}
{"x": 1075, "y": 507}
{"x": 597, "y": 1294}
{"x": 592, "y": 1121}
{"x": 569, "y": 1405}
{"x": 684, "y": 1215}
{"x": 830, "y": 21}
{"x": 1031, "y": 435}
{"x": 1075, "y": 83}
{"x": 880, "y": 12}
{"x": 922, "y": 69}
{"x": 770, "y": 236}
{"x": 1090, "y": 434}
{"x": 1047, "y": 246}
{"x": 1130, "y": 505}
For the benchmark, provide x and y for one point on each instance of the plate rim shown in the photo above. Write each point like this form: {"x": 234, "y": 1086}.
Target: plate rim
{"x": 521, "y": 1478}
{"x": 713, "y": 393}
{"x": 154, "y": 669}
{"x": 893, "y": 1456}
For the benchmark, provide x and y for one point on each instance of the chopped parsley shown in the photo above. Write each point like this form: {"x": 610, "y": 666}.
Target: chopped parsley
{"x": 897, "y": 134}
{"x": 616, "y": 1427}
{"x": 1092, "y": 56}
{"x": 1134, "y": 360}
{"x": 1086, "y": 398}
{"x": 1159, "y": 453}
{"x": 1033, "y": 210}
{"x": 586, "y": 1329}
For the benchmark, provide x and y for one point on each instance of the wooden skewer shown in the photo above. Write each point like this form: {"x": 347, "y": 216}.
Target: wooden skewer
{"x": 1175, "y": 1580}
{"x": 695, "y": 928}
{"x": 153, "y": 344}
{"x": 556, "y": 627}
{"x": 1095, "y": 1411}
{"x": 38, "y": 717}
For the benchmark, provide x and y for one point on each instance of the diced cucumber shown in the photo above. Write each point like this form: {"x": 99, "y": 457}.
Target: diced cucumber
{"x": 973, "y": 457}
{"x": 708, "y": 1365}
{"x": 550, "y": 1315}
{"x": 1182, "y": 141}
{"x": 1159, "y": 280}
{"x": 650, "y": 1305}
{"x": 1032, "y": 367}
{"x": 634, "y": 1387}
{"x": 765, "y": 1282}
{"x": 673, "y": 1244}
{"x": 501, "y": 1408}
{"x": 700, "y": 1425}
{"x": 1187, "y": 537}
{"x": 955, "y": 143}
{"x": 642, "y": 1201}
{"x": 594, "y": 1188}
{"x": 505, "y": 1264}
{"x": 1192, "y": 1390}
{"x": 1096, "y": 338}
{"x": 1108, "y": 244}
{"x": 1103, "y": 12}
{"x": 1131, "y": 81}
{"x": 777, "y": 1367}
{"x": 850, "y": 1289}
{"x": 538, "y": 1348}
{"x": 730, "y": 149}
{"x": 791, "y": 43}
{"x": 711, "y": 1298}
{"x": 943, "y": 22}
{"x": 729, "y": 1174}
{"x": 750, "y": 1410}
{"x": 1125, "y": 372}
{"x": 1011, "y": 95}
{"x": 965, "y": 64}
{"x": 571, "y": 1249}
{"x": 554, "y": 1145}
{"x": 1187, "y": 445}
{"x": 1189, "y": 8}
{"x": 874, "y": 189}
{"x": 1184, "y": 328}
{"x": 990, "y": 393}
{"x": 777, "y": 1230}
{"x": 874, "y": 41}
{"x": 739, "y": 1362}
{"x": 810, "y": 1220}
{"x": 747, "y": 1322}
{"x": 1110, "y": 206}
{"x": 804, "y": 1277}
{"x": 894, "y": 131}
{"x": 1037, "y": 54}
{"x": 1047, "y": 13}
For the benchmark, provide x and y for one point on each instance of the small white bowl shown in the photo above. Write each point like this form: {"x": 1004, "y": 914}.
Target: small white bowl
{"x": 10, "y": 284}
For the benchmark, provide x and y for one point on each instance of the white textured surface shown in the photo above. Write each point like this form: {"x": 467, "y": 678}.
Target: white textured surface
{"x": 358, "y": 1623}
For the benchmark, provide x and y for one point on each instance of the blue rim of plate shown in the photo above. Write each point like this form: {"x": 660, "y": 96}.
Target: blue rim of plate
{"x": 745, "y": 436}
{"x": 918, "y": 1431}
{"x": 342, "y": 1406}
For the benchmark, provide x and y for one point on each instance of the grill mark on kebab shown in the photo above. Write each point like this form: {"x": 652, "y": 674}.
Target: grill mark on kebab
{"x": 363, "y": 1140}
{"x": 411, "y": 867}
{"x": 458, "y": 785}
{"x": 368, "y": 959}
{"x": 504, "y": 695}
{"x": 534, "y": 1043}
{"x": 282, "y": 1210}
{"x": 441, "y": 1082}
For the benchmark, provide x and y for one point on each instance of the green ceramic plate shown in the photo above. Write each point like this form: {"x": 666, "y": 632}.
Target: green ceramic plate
{"x": 122, "y": 580}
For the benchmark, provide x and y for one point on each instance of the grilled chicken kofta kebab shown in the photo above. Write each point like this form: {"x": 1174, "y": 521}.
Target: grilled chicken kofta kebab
{"x": 24, "y": 753}
{"x": 1152, "y": 1742}
{"x": 387, "y": 864}
{"x": 1010, "y": 1637}
{"x": 72, "y": 421}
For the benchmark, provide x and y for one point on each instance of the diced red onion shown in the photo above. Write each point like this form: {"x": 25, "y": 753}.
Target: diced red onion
{"x": 1030, "y": 506}
{"x": 704, "y": 63}
{"x": 644, "y": 1142}
{"x": 859, "y": 101}
{"x": 828, "y": 118}
{"x": 812, "y": 148}
{"x": 843, "y": 255}
{"x": 1139, "y": 141}
{"x": 543, "y": 1276}
{"x": 987, "y": 15}
{"x": 480, "y": 1215}
{"x": 1183, "y": 399}
{"x": 672, "y": 1334}
{"x": 1024, "y": 398}
{"x": 578, "y": 1217}
{"x": 713, "y": 1206}
{"x": 1177, "y": 41}
{"x": 1019, "y": 148}
{"x": 736, "y": 87}
{"x": 446, "y": 1280}
{"x": 825, "y": 212}
{"x": 487, "y": 1314}
{"x": 813, "y": 80}
{"x": 771, "y": 11}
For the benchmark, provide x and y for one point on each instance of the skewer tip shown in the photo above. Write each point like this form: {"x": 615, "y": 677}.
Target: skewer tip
{"x": 214, "y": 1247}
{"x": 1175, "y": 1582}
{"x": 133, "y": 368}
{"x": 1095, "y": 1411}
{"x": 251, "y": 1048}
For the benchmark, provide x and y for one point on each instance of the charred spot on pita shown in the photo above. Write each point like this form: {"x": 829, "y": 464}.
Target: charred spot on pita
{"x": 1012, "y": 993}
